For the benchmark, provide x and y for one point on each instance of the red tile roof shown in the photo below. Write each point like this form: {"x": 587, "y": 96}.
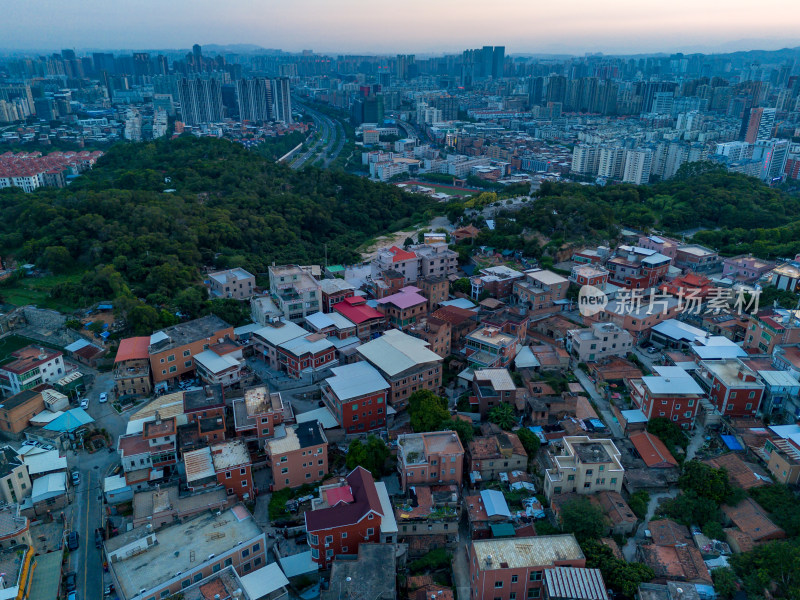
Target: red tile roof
{"x": 653, "y": 451}
{"x": 399, "y": 255}
{"x": 365, "y": 500}
{"x": 132, "y": 349}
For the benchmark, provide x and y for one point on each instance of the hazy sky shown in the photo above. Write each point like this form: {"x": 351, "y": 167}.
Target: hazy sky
{"x": 574, "y": 26}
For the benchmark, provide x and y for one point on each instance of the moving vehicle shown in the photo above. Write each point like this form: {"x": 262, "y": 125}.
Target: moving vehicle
{"x": 76, "y": 477}
{"x": 103, "y": 398}
{"x": 72, "y": 540}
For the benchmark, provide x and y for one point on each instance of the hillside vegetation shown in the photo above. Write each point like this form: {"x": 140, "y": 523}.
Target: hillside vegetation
{"x": 230, "y": 207}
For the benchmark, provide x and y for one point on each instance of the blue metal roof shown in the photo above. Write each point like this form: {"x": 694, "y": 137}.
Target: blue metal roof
{"x": 732, "y": 443}
{"x": 495, "y": 503}
{"x": 70, "y": 420}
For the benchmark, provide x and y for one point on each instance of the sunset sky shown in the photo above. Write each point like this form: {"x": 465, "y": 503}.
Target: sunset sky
{"x": 436, "y": 26}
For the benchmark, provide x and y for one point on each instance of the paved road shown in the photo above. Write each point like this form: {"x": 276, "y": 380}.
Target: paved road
{"x": 87, "y": 508}
{"x": 603, "y": 406}
{"x": 330, "y": 143}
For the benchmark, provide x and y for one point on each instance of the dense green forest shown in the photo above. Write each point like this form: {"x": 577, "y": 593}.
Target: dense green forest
{"x": 229, "y": 207}
{"x": 736, "y": 213}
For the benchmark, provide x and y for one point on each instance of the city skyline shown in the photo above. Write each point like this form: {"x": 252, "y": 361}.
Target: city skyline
{"x": 576, "y": 27}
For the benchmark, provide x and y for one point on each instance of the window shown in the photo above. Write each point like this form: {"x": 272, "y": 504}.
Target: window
{"x": 242, "y": 471}
{"x": 534, "y": 592}
{"x": 215, "y": 568}
{"x": 328, "y": 539}
{"x": 245, "y": 552}
{"x": 314, "y": 553}
{"x": 498, "y": 584}
{"x": 197, "y": 577}
{"x": 512, "y": 596}
{"x": 171, "y": 358}
{"x": 228, "y": 562}
{"x": 165, "y": 594}
{"x": 314, "y": 539}
{"x": 187, "y": 352}
{"x": 570, "y": 477}
{"x": 227, "y": 474}
{"x": 344, "y": 535}
{"x": 187, "y": 364}
{"x": 247, "y": 567}
{"x": 257, "y": 561}
{"x": 536, "y": 576}
{"x": 514, "y": 578}
{"x": 284, "y": 470}
{"x": 370, "y": 531}
{"x": 173, "y": 368}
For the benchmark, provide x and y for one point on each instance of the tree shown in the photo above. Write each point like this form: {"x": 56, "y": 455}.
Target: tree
{"x": 774, "y": 566}
{"x": 623, "y": 577}
{"x": 581, "y": 517}
{"x": 530, "y": 441}
{"x": 705, "y": 481}
{"x": 232, "y": 311}
{"x": 461, "y": 285}
{"x": 639, "y": 502}
{"x": 97, "y": 327}
{"x": 372, "y": 455}
{"x": 56, "y": 259}
{"x": 463, "y": 428}
{"x": 690, "y": 509}
{"x": 427, "y": 411}
{"x": 724, "y": 582}
{"x": 503, "y": 415}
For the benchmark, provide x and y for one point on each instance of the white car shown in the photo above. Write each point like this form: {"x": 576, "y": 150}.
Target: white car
{"x": 85, "y": 403}
{"x": 103, "y": 397}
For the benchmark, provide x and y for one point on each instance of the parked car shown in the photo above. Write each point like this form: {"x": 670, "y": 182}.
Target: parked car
{"x": 103, "y": 397}
{"x": 70, "y": 581}
{"x": 76, "y": 477}
{"x": 652, "y": 350}
{"x": 85, "y": 403}
{"x": 29, "y": 443}
{"x": 72, "y": 540}
{"x": 110, "y": 589}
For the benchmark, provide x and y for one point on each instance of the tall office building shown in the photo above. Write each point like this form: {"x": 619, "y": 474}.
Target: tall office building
{"x": 281, "y": 100}
{"x": 201, "y": 101}
{"x": 556, "y": 88}
{"x": 772, "y": 154}
{"x": 498, "y": 61}
{"x": 255, "y": 100}
{"x": 759, "y": 126}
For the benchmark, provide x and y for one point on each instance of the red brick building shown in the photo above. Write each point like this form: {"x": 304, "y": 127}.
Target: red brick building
{"x": 430, "y": 458}
{"x": 357, "y": 396}
{"x": 346, "y": 514}
{"x": 233, "y": 468}
{"x": 733, "y": 387}
{"x": 514, "y": 568}
{"x": 637, "y": 268}
{"x": 368, "y": 321}
{"x": 672, "y": 394}
{"x": 257, "y": 414}
{"x": 205, "y": 408}
{"x": 301, "y": 456}
{"x": 306, "y": 354}
{"x": 334, "y": 291}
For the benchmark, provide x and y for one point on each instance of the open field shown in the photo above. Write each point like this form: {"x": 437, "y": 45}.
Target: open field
{"x": 36, "y": 291}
